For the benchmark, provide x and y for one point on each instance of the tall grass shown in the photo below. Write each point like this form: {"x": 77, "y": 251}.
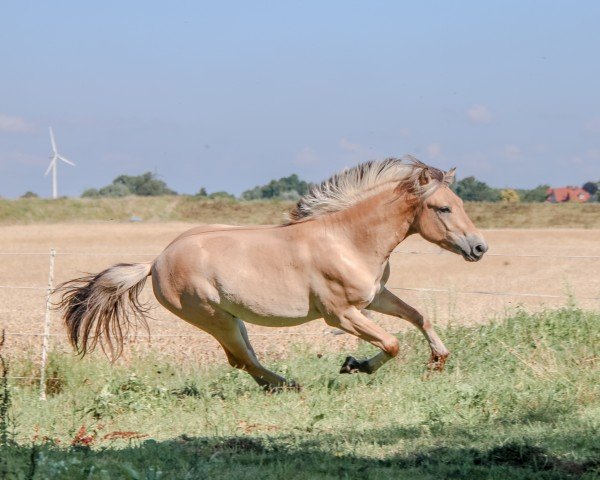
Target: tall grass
{"x": 190, "y": 209}
{"x": 520, "y": 398}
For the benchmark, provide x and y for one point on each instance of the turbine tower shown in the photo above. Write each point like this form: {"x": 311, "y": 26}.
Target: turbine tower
{"x": 54, "y": 162}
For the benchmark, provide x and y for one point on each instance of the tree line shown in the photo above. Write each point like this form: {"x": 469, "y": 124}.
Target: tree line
{"x": 292, "y": 188}
{"x": 148, "y": 184}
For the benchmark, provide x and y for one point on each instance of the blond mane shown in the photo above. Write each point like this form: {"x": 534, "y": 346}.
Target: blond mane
{"x": 352, "y": 185}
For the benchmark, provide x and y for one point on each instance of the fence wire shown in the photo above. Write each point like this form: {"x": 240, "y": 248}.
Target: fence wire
{"x": 308, "y": 334}
{"x": 397, "y": 252}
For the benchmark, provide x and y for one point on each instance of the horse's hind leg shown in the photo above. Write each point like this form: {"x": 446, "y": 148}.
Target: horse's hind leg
{"x": 240, "y": 354}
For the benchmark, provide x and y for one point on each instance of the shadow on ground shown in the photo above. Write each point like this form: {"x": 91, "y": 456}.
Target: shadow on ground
{"x": 320, "y": 456}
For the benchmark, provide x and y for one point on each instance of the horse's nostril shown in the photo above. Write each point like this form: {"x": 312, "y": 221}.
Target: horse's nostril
{"x": 480, "y": 248}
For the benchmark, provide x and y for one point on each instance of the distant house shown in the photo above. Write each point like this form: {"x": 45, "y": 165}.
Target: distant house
{"x": 567, "y": 194}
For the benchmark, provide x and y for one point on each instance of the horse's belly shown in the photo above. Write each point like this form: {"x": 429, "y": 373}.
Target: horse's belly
{"x": 250, "y": 317}
{"x": 269, "y": 311}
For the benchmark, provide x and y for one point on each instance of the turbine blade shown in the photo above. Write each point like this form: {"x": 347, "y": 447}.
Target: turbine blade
{"x": 50, "y": 166}
{"x": 65, "y": 160}
{"x": 52, "y": 140}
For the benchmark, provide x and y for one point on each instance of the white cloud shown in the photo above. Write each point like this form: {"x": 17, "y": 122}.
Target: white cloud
{"x": 512, "y": 151}
{"x": 347, "y": 145}
{"x": 433, "y": 150}
{"x": 479, "y": 114}
{"x": 10, "y": 124}
{"x": 306, "y": 156}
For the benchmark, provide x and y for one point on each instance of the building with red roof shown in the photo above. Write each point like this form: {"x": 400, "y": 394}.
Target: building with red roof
{"x": 567, "y": 194}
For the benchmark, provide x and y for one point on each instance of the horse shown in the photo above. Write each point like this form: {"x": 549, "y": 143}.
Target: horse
{"x": 329, "y": 260}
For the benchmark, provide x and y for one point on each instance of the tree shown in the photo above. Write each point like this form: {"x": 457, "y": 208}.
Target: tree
{"x": 115, "y": 190}
{"x": 286, "y": 188}
{"x": 537, "y": 194}
{"x": 591, "y": 188}
{"x": 472, "y": 190}
{"x": 144, "y": 185}
{"x": 509, "y": 195}
{"x": 90, "y": 193}
{"x": 222, "y": 195}
{"x": 29, "y": 194}
{"x": 202, "y": 193}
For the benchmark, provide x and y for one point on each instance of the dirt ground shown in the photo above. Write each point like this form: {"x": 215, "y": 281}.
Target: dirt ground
{"x": 91, "y": 247}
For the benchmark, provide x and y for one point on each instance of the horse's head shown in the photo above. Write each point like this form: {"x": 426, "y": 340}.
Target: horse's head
{"x": 441, "y": 219}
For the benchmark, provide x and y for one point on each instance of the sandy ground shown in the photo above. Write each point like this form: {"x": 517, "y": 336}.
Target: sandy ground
{"x": 90, "y": 247}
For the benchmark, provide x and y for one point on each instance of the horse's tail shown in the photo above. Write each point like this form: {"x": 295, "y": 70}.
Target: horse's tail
{"x": 100, "y": 308}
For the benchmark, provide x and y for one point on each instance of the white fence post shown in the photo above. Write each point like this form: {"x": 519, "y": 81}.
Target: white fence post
{"x": 46, "y": 336}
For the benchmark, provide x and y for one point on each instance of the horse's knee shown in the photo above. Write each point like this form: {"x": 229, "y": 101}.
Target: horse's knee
{"x": 391, "y": 346}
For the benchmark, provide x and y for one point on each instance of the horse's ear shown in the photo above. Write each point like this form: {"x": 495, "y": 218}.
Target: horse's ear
{"x": 450, "y": 176}
{"x": 424, "y": 177}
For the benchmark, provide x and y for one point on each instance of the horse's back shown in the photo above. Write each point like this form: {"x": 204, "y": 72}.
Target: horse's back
{"x": 250, "y": 272}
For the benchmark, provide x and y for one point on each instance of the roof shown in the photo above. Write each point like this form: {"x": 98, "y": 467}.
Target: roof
{"x": 567, "y": 194}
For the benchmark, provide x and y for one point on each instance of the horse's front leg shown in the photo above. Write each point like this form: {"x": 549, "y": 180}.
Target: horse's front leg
{"x": 356, "y": 323}
{"x": 388, "y": 303}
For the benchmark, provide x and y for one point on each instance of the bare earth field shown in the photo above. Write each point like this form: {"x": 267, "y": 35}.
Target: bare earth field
{"x": 91, "y": 247}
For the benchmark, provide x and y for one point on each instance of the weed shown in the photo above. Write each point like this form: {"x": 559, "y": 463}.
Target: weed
{"x": 132, "y": 395}
{"x": 6, "y": 421}
{"x": 189, "y": 389}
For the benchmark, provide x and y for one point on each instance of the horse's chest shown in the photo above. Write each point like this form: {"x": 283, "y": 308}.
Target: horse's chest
{"x": 359, "y": 286}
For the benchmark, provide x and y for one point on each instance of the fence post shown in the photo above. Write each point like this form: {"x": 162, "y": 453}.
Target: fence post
{"x": 46, "y": 336}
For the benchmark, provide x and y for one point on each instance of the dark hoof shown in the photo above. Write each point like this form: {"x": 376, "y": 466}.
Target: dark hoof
{"x": 293, "y": 386}
{"x": 352, "y": 365}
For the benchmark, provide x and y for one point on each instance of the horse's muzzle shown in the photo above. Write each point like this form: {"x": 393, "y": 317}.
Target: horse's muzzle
{"x": 472, "y": 247}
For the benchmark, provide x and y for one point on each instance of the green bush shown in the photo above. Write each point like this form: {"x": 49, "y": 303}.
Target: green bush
{"x": 286, "y": 188}
{"x": 145, "y": 185}
{"x": 472, "y": 190}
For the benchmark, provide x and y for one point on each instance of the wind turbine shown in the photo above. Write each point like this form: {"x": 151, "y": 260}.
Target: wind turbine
{"x": 53, "y": 164}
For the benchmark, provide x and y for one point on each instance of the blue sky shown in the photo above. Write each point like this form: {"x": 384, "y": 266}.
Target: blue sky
{"x": 228, "y": 95}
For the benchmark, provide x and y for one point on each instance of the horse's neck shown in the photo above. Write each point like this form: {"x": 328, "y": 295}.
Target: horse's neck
{"x": 378, "y": 224}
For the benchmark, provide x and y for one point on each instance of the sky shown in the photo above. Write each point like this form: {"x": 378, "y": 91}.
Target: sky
{"x": 228, "y": 95}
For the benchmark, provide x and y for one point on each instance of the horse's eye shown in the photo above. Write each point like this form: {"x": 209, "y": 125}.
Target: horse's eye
{"x": 444, "y": 210}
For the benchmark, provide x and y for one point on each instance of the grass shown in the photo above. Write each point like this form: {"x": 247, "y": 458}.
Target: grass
{"x": 154, "y": 209}
{"x": 520, "y": 398}
{"x": 190, "y": 209}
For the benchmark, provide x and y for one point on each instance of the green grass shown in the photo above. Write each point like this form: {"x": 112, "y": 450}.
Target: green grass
{"x": 519, "y": 399}
{"x": 190, "y": 209}
{"x": 149, "y": 209}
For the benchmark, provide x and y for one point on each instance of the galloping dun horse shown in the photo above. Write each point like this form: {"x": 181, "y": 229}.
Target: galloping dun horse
{"x": 330, "y": 261}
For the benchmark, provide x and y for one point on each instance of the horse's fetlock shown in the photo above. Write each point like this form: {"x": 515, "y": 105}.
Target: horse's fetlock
{"x": 392, "y": 347}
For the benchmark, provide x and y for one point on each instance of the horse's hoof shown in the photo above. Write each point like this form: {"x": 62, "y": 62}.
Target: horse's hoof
{"x": 437, "y": 363}
{"x": 293, "y": 386}
{"x": 351, "y": 365}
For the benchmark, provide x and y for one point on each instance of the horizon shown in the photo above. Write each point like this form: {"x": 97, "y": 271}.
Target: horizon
{"x": 228, "y": 97}
{"x": 239, "y": 196}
